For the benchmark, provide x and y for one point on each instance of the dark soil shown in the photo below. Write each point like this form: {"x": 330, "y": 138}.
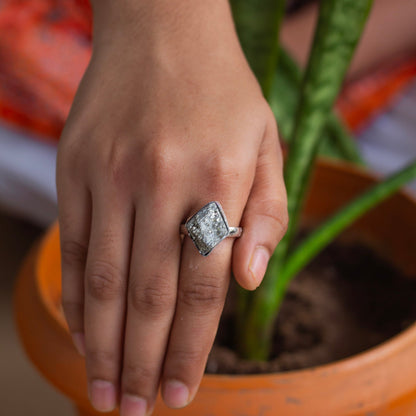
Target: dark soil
{"x": 347, "y": 300}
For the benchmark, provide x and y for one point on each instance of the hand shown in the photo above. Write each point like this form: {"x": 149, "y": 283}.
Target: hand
{"x": 167, "y": 118}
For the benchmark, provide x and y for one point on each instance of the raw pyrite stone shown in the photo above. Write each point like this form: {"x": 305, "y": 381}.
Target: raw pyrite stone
{"x": 207, "y": 227}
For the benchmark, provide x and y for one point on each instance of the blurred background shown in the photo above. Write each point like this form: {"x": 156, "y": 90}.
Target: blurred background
{"x": 45, "y": 47}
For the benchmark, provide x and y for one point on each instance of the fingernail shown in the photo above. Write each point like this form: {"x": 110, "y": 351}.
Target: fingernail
{"x": 79, "y": 341}
{"x": 175, "y": 394}
{"x": 103, "y": 395}
{"x": 132, "y": 406}
{"x": 258, "y": 264}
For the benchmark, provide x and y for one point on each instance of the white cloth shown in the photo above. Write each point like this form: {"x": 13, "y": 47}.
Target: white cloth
{"x": 27, "y": 177}
{"x": 389, "y": 143}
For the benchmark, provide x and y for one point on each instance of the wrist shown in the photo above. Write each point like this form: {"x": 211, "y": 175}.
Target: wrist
{"x": 163, "y": 22}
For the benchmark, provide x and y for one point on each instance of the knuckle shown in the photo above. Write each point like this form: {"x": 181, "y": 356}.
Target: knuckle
{"x": 162, "y": 164}
{"x": 103, "y": 362}
{"x": 284, "y": 220}
{"x": 69, "y": 150}
{"x": 115, "y": 162}
{"x": 138, "y": 378}
{"x": 155, "y": 298}
{"x": 276, "y": 210}
{"x": 104, "y": 281}
{"x": 207, "y": 294}
{"x": 271, "y": 121}
{"x": 185, "y": 363}
{"x": 190, "y": 357}
{"x": 73, "y": 253}
{"x": 166, "y": 247}
{"x": 71, "y": 160}
{"x": 223, "y": 173}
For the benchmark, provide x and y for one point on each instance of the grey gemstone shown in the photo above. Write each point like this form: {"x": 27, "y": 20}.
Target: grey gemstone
{"x": 207, "y": 227}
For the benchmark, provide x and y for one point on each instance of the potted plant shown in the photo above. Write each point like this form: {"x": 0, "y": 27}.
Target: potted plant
{"x": 376, "y": 382}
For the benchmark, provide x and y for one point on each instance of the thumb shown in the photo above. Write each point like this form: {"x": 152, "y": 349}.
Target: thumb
{"x": 265, "y": 217}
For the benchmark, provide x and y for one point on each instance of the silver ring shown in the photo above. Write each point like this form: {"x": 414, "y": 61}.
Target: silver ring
{"x": 208, "y": 227}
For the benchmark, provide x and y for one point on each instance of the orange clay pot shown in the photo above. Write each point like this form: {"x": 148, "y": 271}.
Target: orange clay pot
{"x": 378, "y": 382}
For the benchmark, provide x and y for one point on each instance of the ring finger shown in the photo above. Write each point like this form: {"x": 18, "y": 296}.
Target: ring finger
{"x": 203, "y": 286}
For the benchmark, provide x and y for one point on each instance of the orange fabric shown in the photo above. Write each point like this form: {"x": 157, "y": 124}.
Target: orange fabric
{"x": 45, "y": 46}
{"x": 365, "y": 98}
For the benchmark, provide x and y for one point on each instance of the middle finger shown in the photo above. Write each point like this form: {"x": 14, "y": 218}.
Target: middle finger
{"x": 150, "y": 304}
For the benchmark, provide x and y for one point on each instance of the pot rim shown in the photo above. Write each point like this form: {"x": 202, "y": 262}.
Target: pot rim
{"x": 368, "y": 357}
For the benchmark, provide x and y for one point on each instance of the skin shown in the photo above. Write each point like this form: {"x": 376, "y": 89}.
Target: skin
{"x": 168, "y": 117}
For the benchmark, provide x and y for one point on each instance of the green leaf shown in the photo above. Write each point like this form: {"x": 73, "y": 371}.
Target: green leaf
{"x": 328, "y": 231}
{"x": 257, "y": 23}
{"x": 284, "y": 97}
{"x": 339, "y": 28}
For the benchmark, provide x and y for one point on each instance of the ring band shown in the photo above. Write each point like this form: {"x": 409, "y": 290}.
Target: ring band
{"x": 208, "y": 227}
{"x": 235, "y": 232}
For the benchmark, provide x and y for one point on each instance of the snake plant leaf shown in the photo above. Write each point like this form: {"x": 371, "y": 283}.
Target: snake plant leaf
{"x": 257, "y": 23}
{"x": 337, "y": 143}
{"x": 339, "y": 27}
{"x": 328, "y": 231}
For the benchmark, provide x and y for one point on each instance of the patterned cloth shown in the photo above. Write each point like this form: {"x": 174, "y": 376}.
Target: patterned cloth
{"x": 389, "y": 142}
{"x": 45, "y": 46}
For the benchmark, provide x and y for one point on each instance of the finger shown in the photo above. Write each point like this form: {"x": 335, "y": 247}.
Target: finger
{"x": 202, "y": 290}
{"x": 151, "y": 303}
{"x": 74, "y": 214}
{"x": 106, "y": 277}
{"x": 265, "y": 216}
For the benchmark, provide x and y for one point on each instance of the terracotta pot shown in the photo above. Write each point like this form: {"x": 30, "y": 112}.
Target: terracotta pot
{"x": 378, "y": 382}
